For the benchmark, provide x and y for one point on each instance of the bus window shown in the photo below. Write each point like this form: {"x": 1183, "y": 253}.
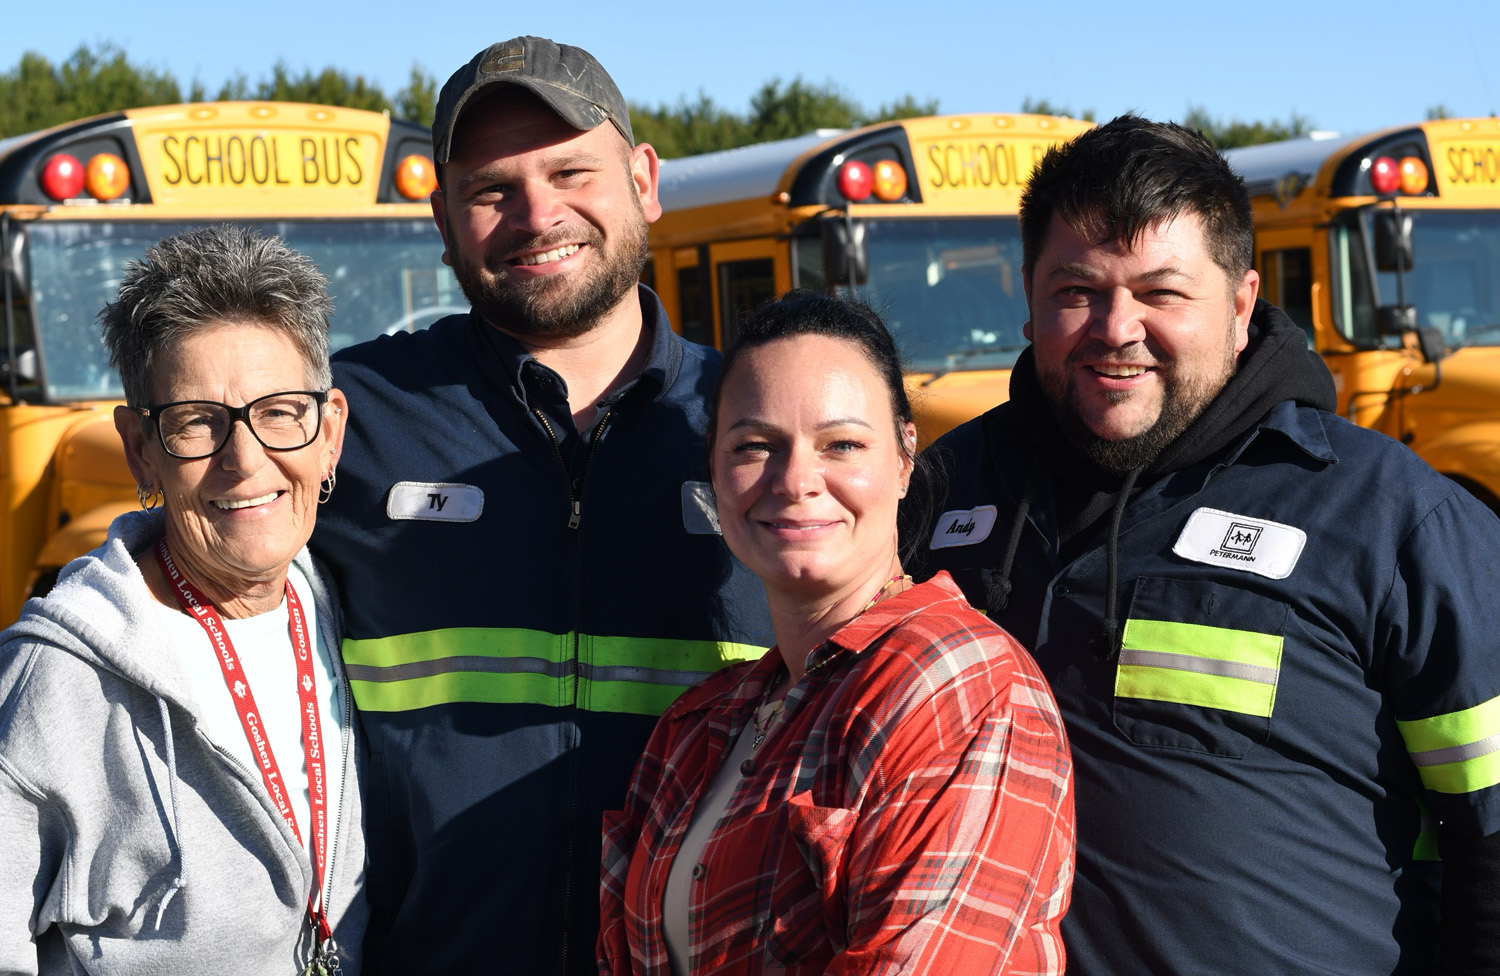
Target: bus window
{"x": 1353, "y": 292}
{"x": 694, "y": 324}
{"x": 1455, "y": 282}
{"x": 1286, "y": 282}
{"x": 744, "y": 286}
{"x": 949, "y": 288}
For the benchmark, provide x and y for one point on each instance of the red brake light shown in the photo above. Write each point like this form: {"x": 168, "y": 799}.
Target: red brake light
{"x": 1385, "y": 176}
{"x": 62, "y": 177}
{"x": 855, "y": 180}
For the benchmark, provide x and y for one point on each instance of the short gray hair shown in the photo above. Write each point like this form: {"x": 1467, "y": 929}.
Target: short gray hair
{"x": 213, "y": 276}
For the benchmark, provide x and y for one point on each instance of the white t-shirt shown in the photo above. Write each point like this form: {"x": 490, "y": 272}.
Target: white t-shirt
{"x": 263, "y": 645}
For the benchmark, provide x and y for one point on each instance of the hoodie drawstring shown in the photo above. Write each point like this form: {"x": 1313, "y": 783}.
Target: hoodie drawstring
{"x": 998, "y": 594}
{"x": 180, "y": 881}
{"x": 1111, "y": 631}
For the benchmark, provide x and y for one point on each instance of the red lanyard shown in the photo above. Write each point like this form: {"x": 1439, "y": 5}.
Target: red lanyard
{"x": 238, "y": 683}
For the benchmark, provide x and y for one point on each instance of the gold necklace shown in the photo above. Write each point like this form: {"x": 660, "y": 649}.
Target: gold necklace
{"x": 880, "y": 593}
{"x": 763, "y": 726}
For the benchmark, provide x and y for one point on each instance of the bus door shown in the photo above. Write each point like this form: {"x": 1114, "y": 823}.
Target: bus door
{"x": 746, "y": 274}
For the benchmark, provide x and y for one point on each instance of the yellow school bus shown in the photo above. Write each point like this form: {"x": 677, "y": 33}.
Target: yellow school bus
{"x": 348, "y": 188}
{"x": 1385, "y": 248}
{"x": 916, "y": 217}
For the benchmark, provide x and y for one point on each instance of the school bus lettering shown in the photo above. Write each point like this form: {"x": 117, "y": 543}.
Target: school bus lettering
{"x": 215, "y": 160}
{"x": 971, "y": 164}
{"x": 1473, "y": 164}
{"x": 242, "y": 159}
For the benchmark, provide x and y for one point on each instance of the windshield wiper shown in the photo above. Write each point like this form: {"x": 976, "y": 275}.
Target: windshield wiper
{"x": 961, "y": 356}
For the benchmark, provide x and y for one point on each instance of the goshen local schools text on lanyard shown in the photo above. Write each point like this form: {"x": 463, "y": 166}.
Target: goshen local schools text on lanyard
{"x": 238, "y": 683}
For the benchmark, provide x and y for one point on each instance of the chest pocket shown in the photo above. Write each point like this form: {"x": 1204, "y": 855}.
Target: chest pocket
{"x": 1199, "y": 667}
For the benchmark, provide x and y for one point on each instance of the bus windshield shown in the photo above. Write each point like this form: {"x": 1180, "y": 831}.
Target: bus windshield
{"x": 384, "y": 276}
{"x": 1455, "y": 282}
{"x": 949, "y": 289}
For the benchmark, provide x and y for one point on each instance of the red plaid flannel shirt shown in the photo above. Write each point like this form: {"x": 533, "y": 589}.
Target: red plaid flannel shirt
{"x": 912, "y": 812}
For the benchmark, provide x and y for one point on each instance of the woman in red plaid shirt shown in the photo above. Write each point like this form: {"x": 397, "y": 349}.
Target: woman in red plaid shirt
{"x": 889, "y": 788}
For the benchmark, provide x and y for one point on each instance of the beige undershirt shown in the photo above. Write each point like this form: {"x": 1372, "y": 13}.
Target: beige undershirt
{"x": 706, "y": 815}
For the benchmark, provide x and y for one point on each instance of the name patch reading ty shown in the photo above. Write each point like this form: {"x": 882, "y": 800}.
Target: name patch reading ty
{"x": 434, "y": 501}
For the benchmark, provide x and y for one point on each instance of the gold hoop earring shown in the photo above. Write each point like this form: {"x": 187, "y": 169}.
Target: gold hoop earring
{"x": 154, "y": 496}
{"x": 325, "y": 490}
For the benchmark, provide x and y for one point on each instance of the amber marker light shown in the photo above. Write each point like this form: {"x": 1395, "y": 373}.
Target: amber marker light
{"x": 107, "y": 177}
{"x": 890, "y": 180}
{"x": 1385, "y": 176}
{"x": 855, "y": 180}
{"x": 415, "y": 177}
{"x": 62, "y": 177}
{"x": 1413, "y": 176}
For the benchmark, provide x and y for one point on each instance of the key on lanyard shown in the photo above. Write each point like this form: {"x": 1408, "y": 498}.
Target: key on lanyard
{"x": 325, "y": 960}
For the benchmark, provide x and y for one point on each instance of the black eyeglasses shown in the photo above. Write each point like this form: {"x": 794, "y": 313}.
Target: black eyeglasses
{"x": 193, "y": 429}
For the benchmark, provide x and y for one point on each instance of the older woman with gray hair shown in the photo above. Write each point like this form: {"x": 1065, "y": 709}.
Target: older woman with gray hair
{"x": 178, "y": 776}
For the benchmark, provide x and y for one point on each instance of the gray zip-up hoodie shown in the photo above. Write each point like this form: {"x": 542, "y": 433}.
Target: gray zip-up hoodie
{"x": 130, "y": 842}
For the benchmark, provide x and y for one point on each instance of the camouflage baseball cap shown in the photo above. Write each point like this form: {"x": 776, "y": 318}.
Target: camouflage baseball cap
{"x": 566, "y": 78}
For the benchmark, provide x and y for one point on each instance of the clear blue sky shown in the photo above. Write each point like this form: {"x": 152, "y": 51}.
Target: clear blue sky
{"x": 1349, "y": 66}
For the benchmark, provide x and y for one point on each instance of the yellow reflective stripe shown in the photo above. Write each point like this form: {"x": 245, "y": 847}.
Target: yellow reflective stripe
{"x": 637, "y": 675}
{"x": 1458, "y": 752}
{"x": 643, "y": 675}
{"x": 698, "y": 656}
{"x": 1194, "y": 664}
{"x": 1198, "y": 640}
{"x": 461, "y": 686}
{"x": 430, "y": 645}
{"x": 633, "y": 697}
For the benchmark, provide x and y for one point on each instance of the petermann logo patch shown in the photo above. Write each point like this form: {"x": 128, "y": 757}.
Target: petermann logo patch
{"x": 435, "y": 501}
{"x": 1241, "y": 538}
{"x": 1259, "y": 546}
{"x": 963, "y": 527}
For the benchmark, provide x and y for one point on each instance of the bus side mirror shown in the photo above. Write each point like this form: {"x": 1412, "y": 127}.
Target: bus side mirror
{"x": 846, "y": 261}
{"x": 1396, "y": 319}
{"x": 24, "y": 371}
{"x": 1393, "y": 246}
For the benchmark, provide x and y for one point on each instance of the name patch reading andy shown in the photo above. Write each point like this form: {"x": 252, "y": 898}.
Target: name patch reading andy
{"x": 1254, "y": 545}
{"x": 434, "y": 501}
{"x": 963, "y": 527}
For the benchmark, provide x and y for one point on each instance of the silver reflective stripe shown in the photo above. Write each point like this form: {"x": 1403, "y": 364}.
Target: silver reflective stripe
{"x": 1200, "y": 665}
{"x": 449, "y": 665}
{"x": 1453, "y": 754}
{"x": 655, "y": 676}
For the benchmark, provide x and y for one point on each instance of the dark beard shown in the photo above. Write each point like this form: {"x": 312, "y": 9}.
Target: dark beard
{"x": 542, "y": 307}
{"x": 1182, "y": 403}
{"x": 1117, "y": 457}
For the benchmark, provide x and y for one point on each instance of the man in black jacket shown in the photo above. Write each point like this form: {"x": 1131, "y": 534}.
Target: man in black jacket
{"x": 1273, "y": 635}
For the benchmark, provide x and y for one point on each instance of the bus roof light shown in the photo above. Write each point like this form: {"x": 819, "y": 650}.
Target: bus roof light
{"x": 107, "y": 177}
{"x": 855, "y": 180}
{"x": 415, "y": 177}
{"x": 1413, "y": 176}
{"x": 62, "y": 177}
{"x": 889, "y": 180}
{"x": 1385, "y": 176}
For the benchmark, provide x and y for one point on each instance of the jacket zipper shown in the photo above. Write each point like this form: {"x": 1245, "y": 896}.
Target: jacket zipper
{"x": 575, "y": 516}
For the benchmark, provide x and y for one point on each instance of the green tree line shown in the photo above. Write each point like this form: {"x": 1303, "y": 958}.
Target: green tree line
{"x": 37, "y": 94}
